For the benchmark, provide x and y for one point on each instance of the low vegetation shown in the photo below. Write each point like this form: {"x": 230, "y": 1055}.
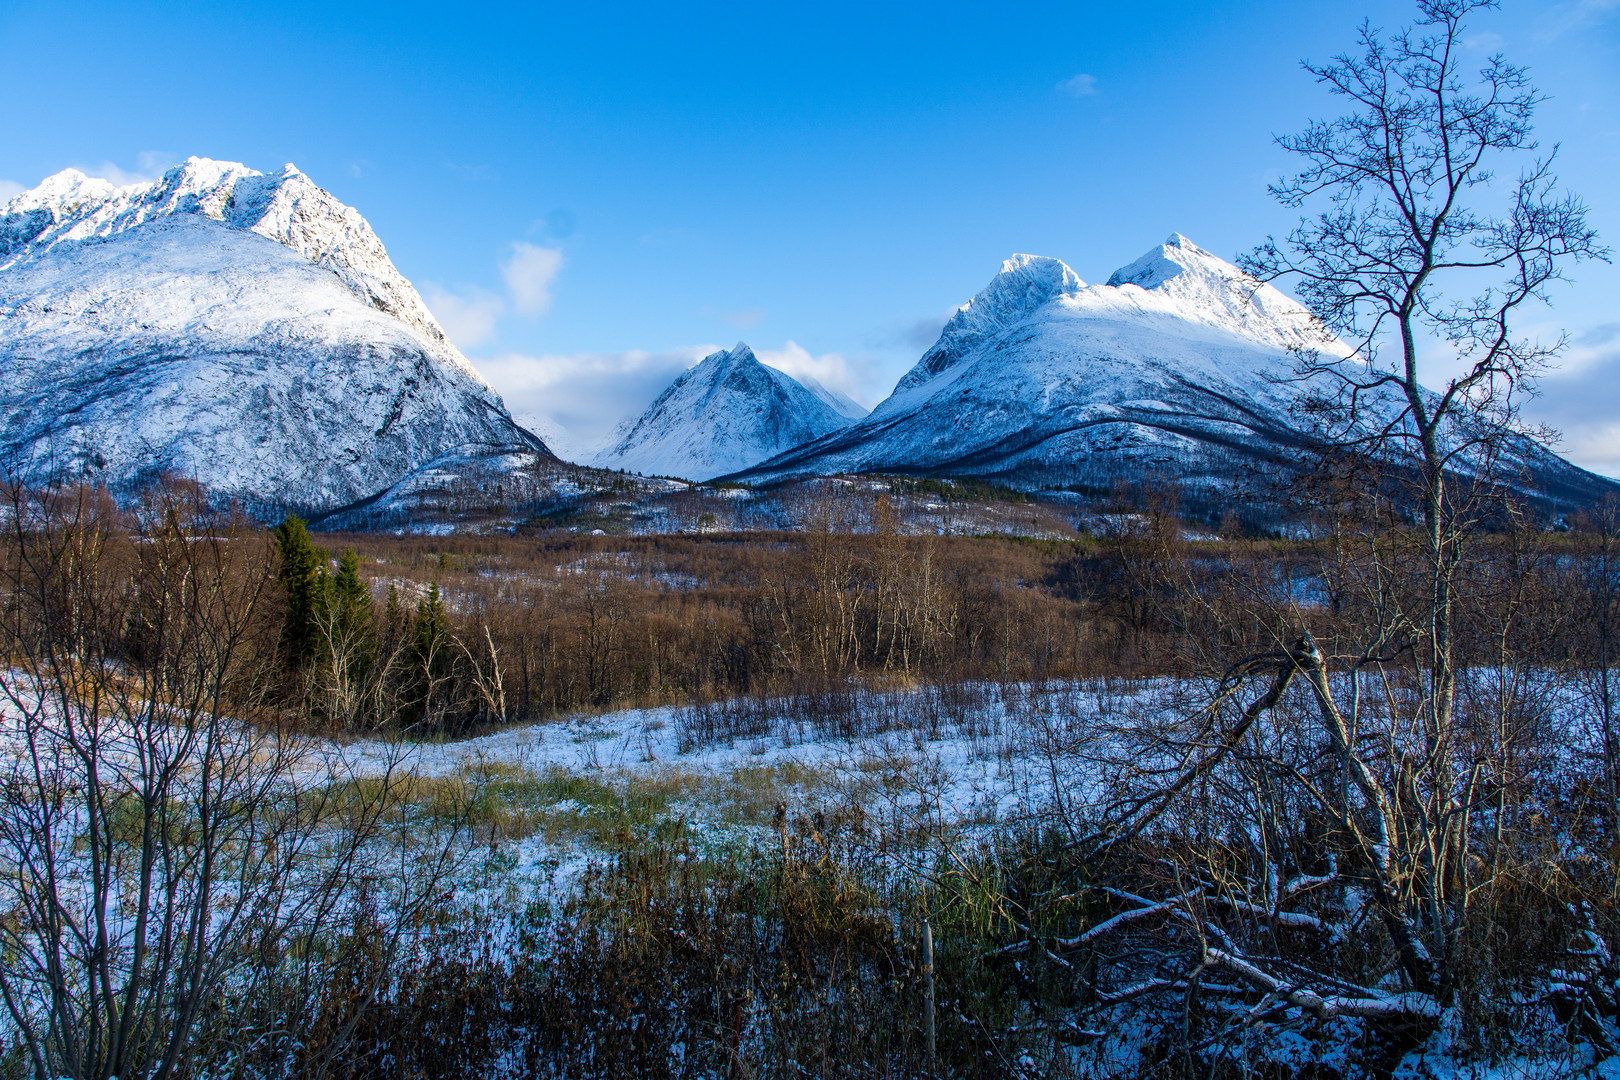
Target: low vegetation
{"x": 1338, "y": 801}
{"x": 1243, "y": 845}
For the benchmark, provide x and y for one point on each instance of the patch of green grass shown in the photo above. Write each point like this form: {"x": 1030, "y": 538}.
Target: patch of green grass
{"x": 749, "y": 794}
{"x": 609, "y": 811}
{"x": 124, "y": 819}
{"x": 511, "y": 802}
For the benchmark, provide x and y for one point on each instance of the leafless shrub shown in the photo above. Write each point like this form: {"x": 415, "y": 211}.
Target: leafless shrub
{"x": 168, "y": 850}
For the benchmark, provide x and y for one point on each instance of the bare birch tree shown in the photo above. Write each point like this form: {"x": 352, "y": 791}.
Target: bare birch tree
{"x": 1422, "y": 240}
{"x": 167, "y": 848}
{"x": 1323, "y": 834}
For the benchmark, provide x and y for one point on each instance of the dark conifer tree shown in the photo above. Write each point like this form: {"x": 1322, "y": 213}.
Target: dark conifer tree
{"x": 303, "y": 577}
{"x": 350, "y": 598}
{"x": 432, "y": 624}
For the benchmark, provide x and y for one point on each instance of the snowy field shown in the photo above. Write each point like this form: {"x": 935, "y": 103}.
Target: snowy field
{"x": 902, "y": 761}
{"x": 932, "y": 768}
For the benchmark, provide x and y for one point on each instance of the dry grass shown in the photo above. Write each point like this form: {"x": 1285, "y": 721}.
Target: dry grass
{"x": 607, "y": 810}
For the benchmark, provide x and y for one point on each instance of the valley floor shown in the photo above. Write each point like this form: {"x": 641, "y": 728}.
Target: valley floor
{"x": 936, "y": 775}
{"x": 597, "y": 858}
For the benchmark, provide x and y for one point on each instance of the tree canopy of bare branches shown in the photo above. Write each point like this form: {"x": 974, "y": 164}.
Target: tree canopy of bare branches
{"x": 1346, "y": 821}
{"x": 169, "y": 852}
{"x": 1420, "y": 234}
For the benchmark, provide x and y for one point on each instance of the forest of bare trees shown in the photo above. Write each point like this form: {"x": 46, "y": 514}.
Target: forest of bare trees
{"x": 1277, "y": 831}
{"x": 1337, "y": 799}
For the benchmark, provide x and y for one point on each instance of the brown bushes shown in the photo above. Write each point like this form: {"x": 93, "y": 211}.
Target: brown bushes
{"x": 669, "y": 962}
{"x": 583, "y": 622}
{"x": 594, "y": 622}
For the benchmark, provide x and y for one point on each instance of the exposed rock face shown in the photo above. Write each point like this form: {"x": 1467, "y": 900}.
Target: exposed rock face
{"x": 1179, "y": 367}
{"x": 242, "y": 330}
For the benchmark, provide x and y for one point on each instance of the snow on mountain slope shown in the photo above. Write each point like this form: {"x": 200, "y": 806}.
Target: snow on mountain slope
{"x": 725, "y": 414}
{"x": 1179, "y": 367}
{"x": 839, "y": 402}
{"x": 1024, "y": 285}
{"x": 243, "y": 330}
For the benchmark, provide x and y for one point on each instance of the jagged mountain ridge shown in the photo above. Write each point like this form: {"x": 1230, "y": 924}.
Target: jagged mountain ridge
{"x": 726, "y": 413}
{"x": 286, "y": 207}
{"x": 244, "y": 330}
{"x": 1179, "y": 367}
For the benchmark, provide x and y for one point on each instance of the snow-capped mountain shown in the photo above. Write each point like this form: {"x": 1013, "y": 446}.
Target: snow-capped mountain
{"x": 725, "y": 414}
{"x": 1179, "y": 367}
{"x": 244, "y": 330}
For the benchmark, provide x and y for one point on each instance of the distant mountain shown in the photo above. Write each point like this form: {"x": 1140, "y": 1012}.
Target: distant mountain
{"x": 1180, "y": 367}
{"x": 725, "y": 414}
{"x": 244, "y": 330}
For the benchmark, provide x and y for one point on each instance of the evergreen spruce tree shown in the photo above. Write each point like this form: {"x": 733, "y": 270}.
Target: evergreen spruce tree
{"x": 303, "y": 576}
{"x": 350, "y": 598}
{"x": 348, "y": 618}
{"x": 396, "y": 620}
{"x": 432, "y": 624}
{"x": 393, "y": 610}
{"x": 431, "y": 630}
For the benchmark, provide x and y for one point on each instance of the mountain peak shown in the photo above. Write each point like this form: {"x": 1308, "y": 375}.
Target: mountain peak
{"x": 1181, "y": 365}
{"x": 245, "y": 330}
{"x": 195, "y": 186}
{"x": 1205, "y": 287}
{"x": 739, "y": 353}
{"x": 1023, "y": 285}
{"x": 70, "y": 186}
{"x": 287, "y": 207}
{"x": 1171, "y": 259}
{"x": 726, "y": 413}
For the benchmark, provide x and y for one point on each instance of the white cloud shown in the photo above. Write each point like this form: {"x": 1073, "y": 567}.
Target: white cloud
{"x": 469, "y": 313}
{"x": 529, "y": 274}
{"x": 10, "y": 189}
{"x": 1078, "y": 85}
{"x": 1581, "y": 399}
{"x": 1592, "y": 347}
{"x": 468, "y": 316}
{"x": 831, "y": 370}
{"x": 576, "y": 400}
{"x": 149, "y": 165}
{"x": 1595, "y": 446}
{"x": 919, "y": 335}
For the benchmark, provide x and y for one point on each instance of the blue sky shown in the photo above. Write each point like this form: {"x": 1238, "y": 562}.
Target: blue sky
{"x": 591, "y": 195}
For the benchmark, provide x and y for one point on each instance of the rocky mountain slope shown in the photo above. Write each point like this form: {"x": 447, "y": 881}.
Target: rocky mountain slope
{"x": 243, "y": 330}
{"x": 1179, "y": 367}
{"x": 725, "y": 414}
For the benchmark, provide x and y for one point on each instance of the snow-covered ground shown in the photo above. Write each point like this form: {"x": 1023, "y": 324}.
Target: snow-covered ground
{"x": 979, "y": 768}
{"x": 939, "y": 761}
